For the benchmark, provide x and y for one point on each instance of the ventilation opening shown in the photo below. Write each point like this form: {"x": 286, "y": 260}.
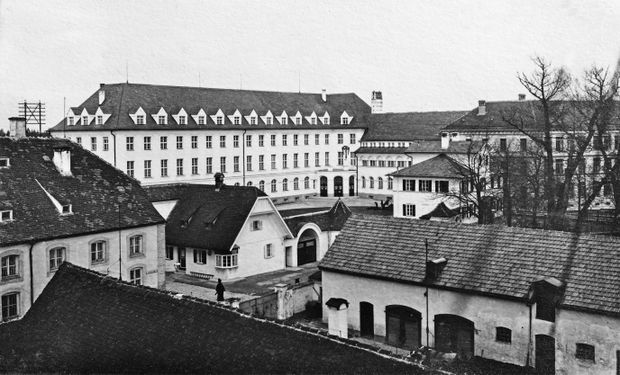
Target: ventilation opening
{"x": 67, "y": 209}
{"x": 4, "y": 163}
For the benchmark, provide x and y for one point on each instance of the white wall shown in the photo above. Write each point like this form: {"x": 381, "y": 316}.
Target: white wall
{"x": 425, "y": 202}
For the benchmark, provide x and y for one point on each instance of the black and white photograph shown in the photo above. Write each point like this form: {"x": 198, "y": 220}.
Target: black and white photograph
{"x": 310, "y": 187}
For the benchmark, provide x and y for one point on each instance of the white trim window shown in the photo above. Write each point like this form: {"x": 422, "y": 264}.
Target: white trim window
{"x": 136, "y": 245}
{"x": 98, "y": 251}
{"x": 6, "y": 215}
{"x": 226, "y": 261}
{"x": 256, "y": 225}
{"x": 409, "y": 210}
{"x": 10, "y": 306}
{"x": 136, "y": 276}
{"x": 268, "y": 251}
{"x": 200, "y": 256}
{"x": 57, "y": 257}
{"x": 10, "y": 267}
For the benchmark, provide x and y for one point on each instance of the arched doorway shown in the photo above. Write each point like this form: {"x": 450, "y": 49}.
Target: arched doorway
{"x": 352, "y": 186}
{"x": 454, "y": 334}
{"x": 323, "y": 183}
{"x": 367, "y": 319}
{"x": 307, "y": 247}
{"x": 545, "y": 355}
{"x": 338, "y": 186}
{"x": 403, "y": 327}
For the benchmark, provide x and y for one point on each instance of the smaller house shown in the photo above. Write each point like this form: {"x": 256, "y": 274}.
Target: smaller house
{"x": 220, "y": 231}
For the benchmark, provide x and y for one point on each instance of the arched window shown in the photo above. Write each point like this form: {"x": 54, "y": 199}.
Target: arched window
{"x": 296, "y": 184}
{"x": 261, "y": 185}
{"x": 57, "y": 256}
{"x": 371, "y": 181}
{"x": 307, "y": 183}
{"x": 390, "y": 183}
{"x": 380, "y": 183}
{"x": 285, "y": 185}
{"x": 249, "y": 183}
{"x": 274, "y": 186}
{"x": 364, "y": 182}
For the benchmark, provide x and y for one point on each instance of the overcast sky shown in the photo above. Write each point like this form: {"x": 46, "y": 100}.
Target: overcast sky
{"x": 423, "y": 55}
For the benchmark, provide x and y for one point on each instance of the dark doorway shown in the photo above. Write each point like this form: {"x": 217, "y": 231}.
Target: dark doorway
{"x": 404, "y": 327}
{"x": 367, "y": 320}
{"x": 338, "y": 186}
{"x": 182, "y": 264}
{"x": 306, "y": 247}
{"x": 352, "y": 186}
{"x": 454, "y": 334}
{"x": 323, "y": 186}
{"x": 545, "y": 355}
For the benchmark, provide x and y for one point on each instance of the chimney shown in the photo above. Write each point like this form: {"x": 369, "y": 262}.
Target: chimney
{"x": 219, "y": 181}
{"x": 101, "y": 94}
{"x": 17, "y": 127}
{"x": 376, "y": 103}
{"x": 324, "y": 96}
{"x": 482, "y": 107}
{"x": 521, "y": 97}
{"x": 445, "y": 141}
{"x": 62, "y": 158}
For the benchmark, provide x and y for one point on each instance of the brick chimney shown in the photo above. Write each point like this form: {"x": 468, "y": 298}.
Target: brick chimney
{"x": 62, "y": 158}
{"x": 101, "y": 94}
{"x": 17, "y": 127}
{"x": 521, "y": 97}
{"x": 445, "y": 140}
{"x": 482, "y": 107}
{"x": 376, "y": 102}
{"x": 219, "y": 181}
{"x": 324, "y": 96}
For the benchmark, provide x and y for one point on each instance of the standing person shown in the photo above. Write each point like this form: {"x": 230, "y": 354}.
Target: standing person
{"x": 219, "y": 290}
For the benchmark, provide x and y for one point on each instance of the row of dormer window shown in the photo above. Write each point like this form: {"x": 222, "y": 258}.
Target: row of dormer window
{"x": 385, "y": 144}
{"x": 85, "y": 118}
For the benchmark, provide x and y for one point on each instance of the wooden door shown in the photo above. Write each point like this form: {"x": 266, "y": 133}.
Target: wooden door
{"x": 367, "y": 320}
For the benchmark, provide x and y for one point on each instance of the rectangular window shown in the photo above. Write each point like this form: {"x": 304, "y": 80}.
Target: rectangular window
{"x": 98, "y": 251}
{"x": 71, "y": 121}
{"x": 381, "y": 163}
{"x": 223, "y": 164}
{"x": 306, "y": 159}
{"x": 273, "y": 161}
{"x": 219, "y": 120}
{"x": 235, "y": 164}
{"x": 78, "y": 140}
{"x": 129, "y": 143}
{"x": 503, "y": 334}
{"x": 409, "y": 210}
{"x": 256, "y": 225}
{"x": 222, "y": 141}
{"x": 352, "y": 139}
{"x": 10, "y": 304}
{"x": 164, "y": 167}
{"x": 559, "y": 166}
{"x": 545, "y": 309}
{"x": 340, "y": 158}
{"x": 261, "y": 162}
{"x": 93, "y": 143}
{"x": 408, "y": 185}
{"x": 163, "y": 143}
{"x": 182, "y": 120}
{"x": 596, "y": 165}
{"x": 284, "y": 161}
{"x": 400, "y": 164}
{"x": 135, "y": 276}
{"x": 502, "y": 144}
{"x": 179, "y": 142}
{"x": 273, "y": 139}
{"x": 326, "y": 139}
{"x": 252, "y": 120}
{"x": 559, "y": 144}
{"x": 317, "y": 138}
{"x": 147, "y": 169}
{"x": 284, "y": 140}
{"x": 295, "y": 160}
{"x": 194, "y": 166}
{"x": 283, "y": 120}
{"x": 585, "y": 352}
{"x": 208, "y": 141}
{"x": 201, "y": 120}
{"x": 179, "y": 167}
{"x": 147, "y": 143}
{"x": 268, "y": 120}
{"x": 296, "y": 140}
{"x": 523, "y": 143}
{"x": 306, "y": 139}
{"x": 344, "y": 120}
{"x": 364, "y": 163}
{"x": 209, "y": 165}
{"x": 248, "y": 140}
{"x": 130, "y": 168}
{"x": 425, "y": 185}
{"x": 226, "y": 261}
{"x": 194, "y": 141}
{"x": 6, "y": 215}
{"x": 169, "y": 252}
{"x": 106, "y": 144}
{"x": 442, "y": 186}
{"x": 235, "y": 141}
{"x": 9, "y": 267}
{"x": 317, "y": 159}
{"x": 140, "y": 119}
{"x": 340, "y": 139}
{"x": 136, "y": 245}
{"x": 200, "y": 256}
{"x": 326, "y": 158}
{"x": 268, "y": 251}
{"x": 161, "y": 120}
{"x": 261, "y": 140}
{"x": 391, "y": 163}
{"x": 236, "y": 120}
{"x": 248, "y": 162}
{"x": 85, "y": 120}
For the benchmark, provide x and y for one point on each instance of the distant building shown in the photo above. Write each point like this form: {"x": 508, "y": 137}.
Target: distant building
{"x": 545, "y": 299}
{"x": 60, "y": 203}
{"x": 286, "y": 144}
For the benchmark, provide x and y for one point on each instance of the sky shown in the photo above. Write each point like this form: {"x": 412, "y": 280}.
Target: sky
{"x": 423, "y": 55}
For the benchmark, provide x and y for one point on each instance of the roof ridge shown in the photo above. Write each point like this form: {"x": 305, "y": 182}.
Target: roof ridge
{"x": 219, "y": 88}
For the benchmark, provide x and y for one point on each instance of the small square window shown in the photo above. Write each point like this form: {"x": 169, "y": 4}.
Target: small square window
{"x": 503, "y": 334}
{"x": 257, "y": 225}
{"x": 4, "y": 163}
{"x": 6, "y": 215}
{"x": 585, "y": 352}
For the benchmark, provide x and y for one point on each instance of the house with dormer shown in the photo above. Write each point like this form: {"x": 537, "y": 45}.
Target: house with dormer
{"x": 59, "y": 202}
{"x": 543, "y": 299}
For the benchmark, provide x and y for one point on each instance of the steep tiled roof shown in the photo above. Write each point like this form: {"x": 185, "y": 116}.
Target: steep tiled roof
{"x": 408, "y": 126}
{"x": 381, "y": 150}
{"x": 166, "y": 192}
{"x": 205, "y": 218}
{"x": 438, "y": 166}
{"x": 485, "y": 259}
{"x": 530, "y": 111}
{"x": 332, "y": 219}
{"x": 84, "y": 322}
{"x": 92, "y": 190}
{"x": 127, "y": 98}
{"x": 454, "y": 147}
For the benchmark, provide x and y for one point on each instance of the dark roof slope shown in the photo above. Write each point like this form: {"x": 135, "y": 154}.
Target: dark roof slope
{"x": 484, "y": 259}
{"x": 440, "y": 166}
{"x": 92, "y": 191}
{"x": 84, "y": 322}
{"x": 122, "y": 99}
{"x": 454, "y": 147}
{"x": 165, "y": 192}
{"x": 332, "y": 219}
{"x": 408, "y": 126}
{"x": 208, "y": 219}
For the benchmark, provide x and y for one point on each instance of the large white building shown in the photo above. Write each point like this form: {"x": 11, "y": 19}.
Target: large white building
{"x": 286, "y": 144}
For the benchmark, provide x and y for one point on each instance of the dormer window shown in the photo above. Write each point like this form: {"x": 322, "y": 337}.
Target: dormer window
{"x": 546, "y": 294}
{"x": 99, "y": 120}
{"x": 237, "y": 120}
{"x": 84, "y": 120}
{"x": 252, "y": 120}
{"x": 6, "y": 215}
{"x": 4, "y": 163}
{"x": 182, "y": 120}
{"x": 70, "y": 121}
{"x": 220, "y": 120}
{"x": 161, "y": 120}
{"x": 140, "y": 119}
{"x": 345, "y": 121}
{"x": 268, "y": 120}
{"x": 67, "y": 209}
{"x": 283, "y": 120}
{"x": 201, "y": 120}
{"x": 161, "y": 117}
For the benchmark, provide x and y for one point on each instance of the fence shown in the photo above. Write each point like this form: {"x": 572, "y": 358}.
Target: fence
{"x": 286, "y": 301}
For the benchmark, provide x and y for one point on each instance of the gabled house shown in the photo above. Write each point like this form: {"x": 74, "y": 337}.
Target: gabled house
{"x": 220, "y": 231}
{"x": 543, "y": 299}
{"x": 85, "y": 322}
{"x": 60, "y": 203}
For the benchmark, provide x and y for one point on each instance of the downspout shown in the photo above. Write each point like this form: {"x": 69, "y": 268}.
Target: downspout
{"x": 357, "y": 175}
{"x": 529, "y": 341}
{"x": 118, "y": 119}
{"x": 114, "y": 145}
{"x": 31, "y": 273}
{"x": 243, "y": 154}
